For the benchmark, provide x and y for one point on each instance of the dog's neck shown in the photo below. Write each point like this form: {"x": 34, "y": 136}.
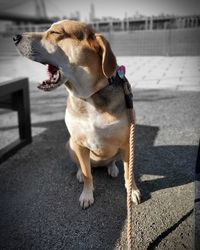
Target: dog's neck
{"x": 84, "y": 92}
{"x": 109, "y": 99}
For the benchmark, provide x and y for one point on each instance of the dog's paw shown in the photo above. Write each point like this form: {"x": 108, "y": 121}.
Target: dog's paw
{"x": 79, "y": 176}
{"x": 113, "y": 170}
{"x": 86, "y": 199}
{"x": 136, "y": 196}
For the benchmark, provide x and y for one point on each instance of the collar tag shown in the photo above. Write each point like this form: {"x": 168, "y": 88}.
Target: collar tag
{"x": 121, "y": 70}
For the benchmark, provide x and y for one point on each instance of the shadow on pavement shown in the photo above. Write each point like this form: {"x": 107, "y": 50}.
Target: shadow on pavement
{"x": 39, "y": 192}
{"x": 164, "y": 234}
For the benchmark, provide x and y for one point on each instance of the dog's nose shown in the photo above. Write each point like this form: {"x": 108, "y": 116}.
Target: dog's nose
{"x": 17, "y": 39}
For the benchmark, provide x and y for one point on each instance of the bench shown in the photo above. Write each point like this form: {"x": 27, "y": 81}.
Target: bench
{"x": 14, "y": 95}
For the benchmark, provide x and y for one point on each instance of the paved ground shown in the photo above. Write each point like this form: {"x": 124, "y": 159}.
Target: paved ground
{"x": 38, "y": 190}
{"x": 176, "y": 73}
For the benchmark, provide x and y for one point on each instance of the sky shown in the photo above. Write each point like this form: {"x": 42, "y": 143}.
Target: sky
{"x": 114, "y": 8}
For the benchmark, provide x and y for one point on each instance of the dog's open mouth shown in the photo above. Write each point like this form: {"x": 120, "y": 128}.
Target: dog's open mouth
{"x": 53, "y": 80}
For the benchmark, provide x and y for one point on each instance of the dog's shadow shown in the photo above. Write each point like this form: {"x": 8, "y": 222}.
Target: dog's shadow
{"x": 39, "y": 207}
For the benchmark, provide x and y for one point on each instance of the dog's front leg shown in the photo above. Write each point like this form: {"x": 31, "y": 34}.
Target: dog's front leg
{"x": 136, "y": 196}
{"x": 83, "y": 154}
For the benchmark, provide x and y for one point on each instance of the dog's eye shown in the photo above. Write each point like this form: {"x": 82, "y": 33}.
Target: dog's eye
{"x": 55, "y": 32}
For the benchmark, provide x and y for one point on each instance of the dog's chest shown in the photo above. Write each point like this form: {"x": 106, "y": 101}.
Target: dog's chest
{"x": 95, "y": 129}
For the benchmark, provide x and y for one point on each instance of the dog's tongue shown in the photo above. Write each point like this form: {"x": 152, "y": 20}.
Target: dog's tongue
{"x": 51, "y": 70}
{"x": 53, "y": 78}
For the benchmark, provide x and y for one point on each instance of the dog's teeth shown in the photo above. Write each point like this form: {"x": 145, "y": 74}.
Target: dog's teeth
{"x": 50, "y": 83}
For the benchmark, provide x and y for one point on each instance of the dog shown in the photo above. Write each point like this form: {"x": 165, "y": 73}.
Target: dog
{"x": 96, "y": 117}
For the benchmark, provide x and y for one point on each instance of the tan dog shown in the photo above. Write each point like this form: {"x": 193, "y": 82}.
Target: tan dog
{"x": 96, "y": 115}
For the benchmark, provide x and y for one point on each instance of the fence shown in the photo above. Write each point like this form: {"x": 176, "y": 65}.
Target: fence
{"x": 173, "y": 42}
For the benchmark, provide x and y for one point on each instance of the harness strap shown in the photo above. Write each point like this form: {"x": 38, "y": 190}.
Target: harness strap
{"x": 119, "y": 76}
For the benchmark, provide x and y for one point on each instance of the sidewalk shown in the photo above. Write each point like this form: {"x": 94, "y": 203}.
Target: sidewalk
{"x": 39, "y": 193}
{"x": 175, "y": 73}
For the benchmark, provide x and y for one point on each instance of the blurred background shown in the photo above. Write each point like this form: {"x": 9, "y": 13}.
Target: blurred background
{"x": 155, "y": 27}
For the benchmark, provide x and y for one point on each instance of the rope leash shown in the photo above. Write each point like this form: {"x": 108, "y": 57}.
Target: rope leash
{"x": 129, "y": 105}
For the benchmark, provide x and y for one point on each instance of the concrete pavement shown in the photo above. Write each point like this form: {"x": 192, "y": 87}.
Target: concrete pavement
{"x": 38, "y": 189}
{"x": 176, "y": 73}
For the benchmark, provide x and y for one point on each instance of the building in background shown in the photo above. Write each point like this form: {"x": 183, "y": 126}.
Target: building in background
{"x": 92, "y": 13}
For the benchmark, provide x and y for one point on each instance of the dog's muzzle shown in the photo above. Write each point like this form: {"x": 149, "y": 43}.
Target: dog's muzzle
{"x": 17, "y": 39}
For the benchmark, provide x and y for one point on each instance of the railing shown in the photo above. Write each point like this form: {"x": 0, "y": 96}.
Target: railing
{"x": 129, "y": 24}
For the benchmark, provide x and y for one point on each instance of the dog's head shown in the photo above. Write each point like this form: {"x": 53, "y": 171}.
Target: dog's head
{"x": 75, "y": 55}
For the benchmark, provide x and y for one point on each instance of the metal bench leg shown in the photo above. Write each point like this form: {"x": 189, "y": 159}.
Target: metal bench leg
{"x": 17, "y": 93}
{"x": 21, "y": 102}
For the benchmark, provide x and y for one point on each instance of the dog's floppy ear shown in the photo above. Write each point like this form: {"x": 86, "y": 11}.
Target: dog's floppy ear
{"x": 109, "y": 63}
